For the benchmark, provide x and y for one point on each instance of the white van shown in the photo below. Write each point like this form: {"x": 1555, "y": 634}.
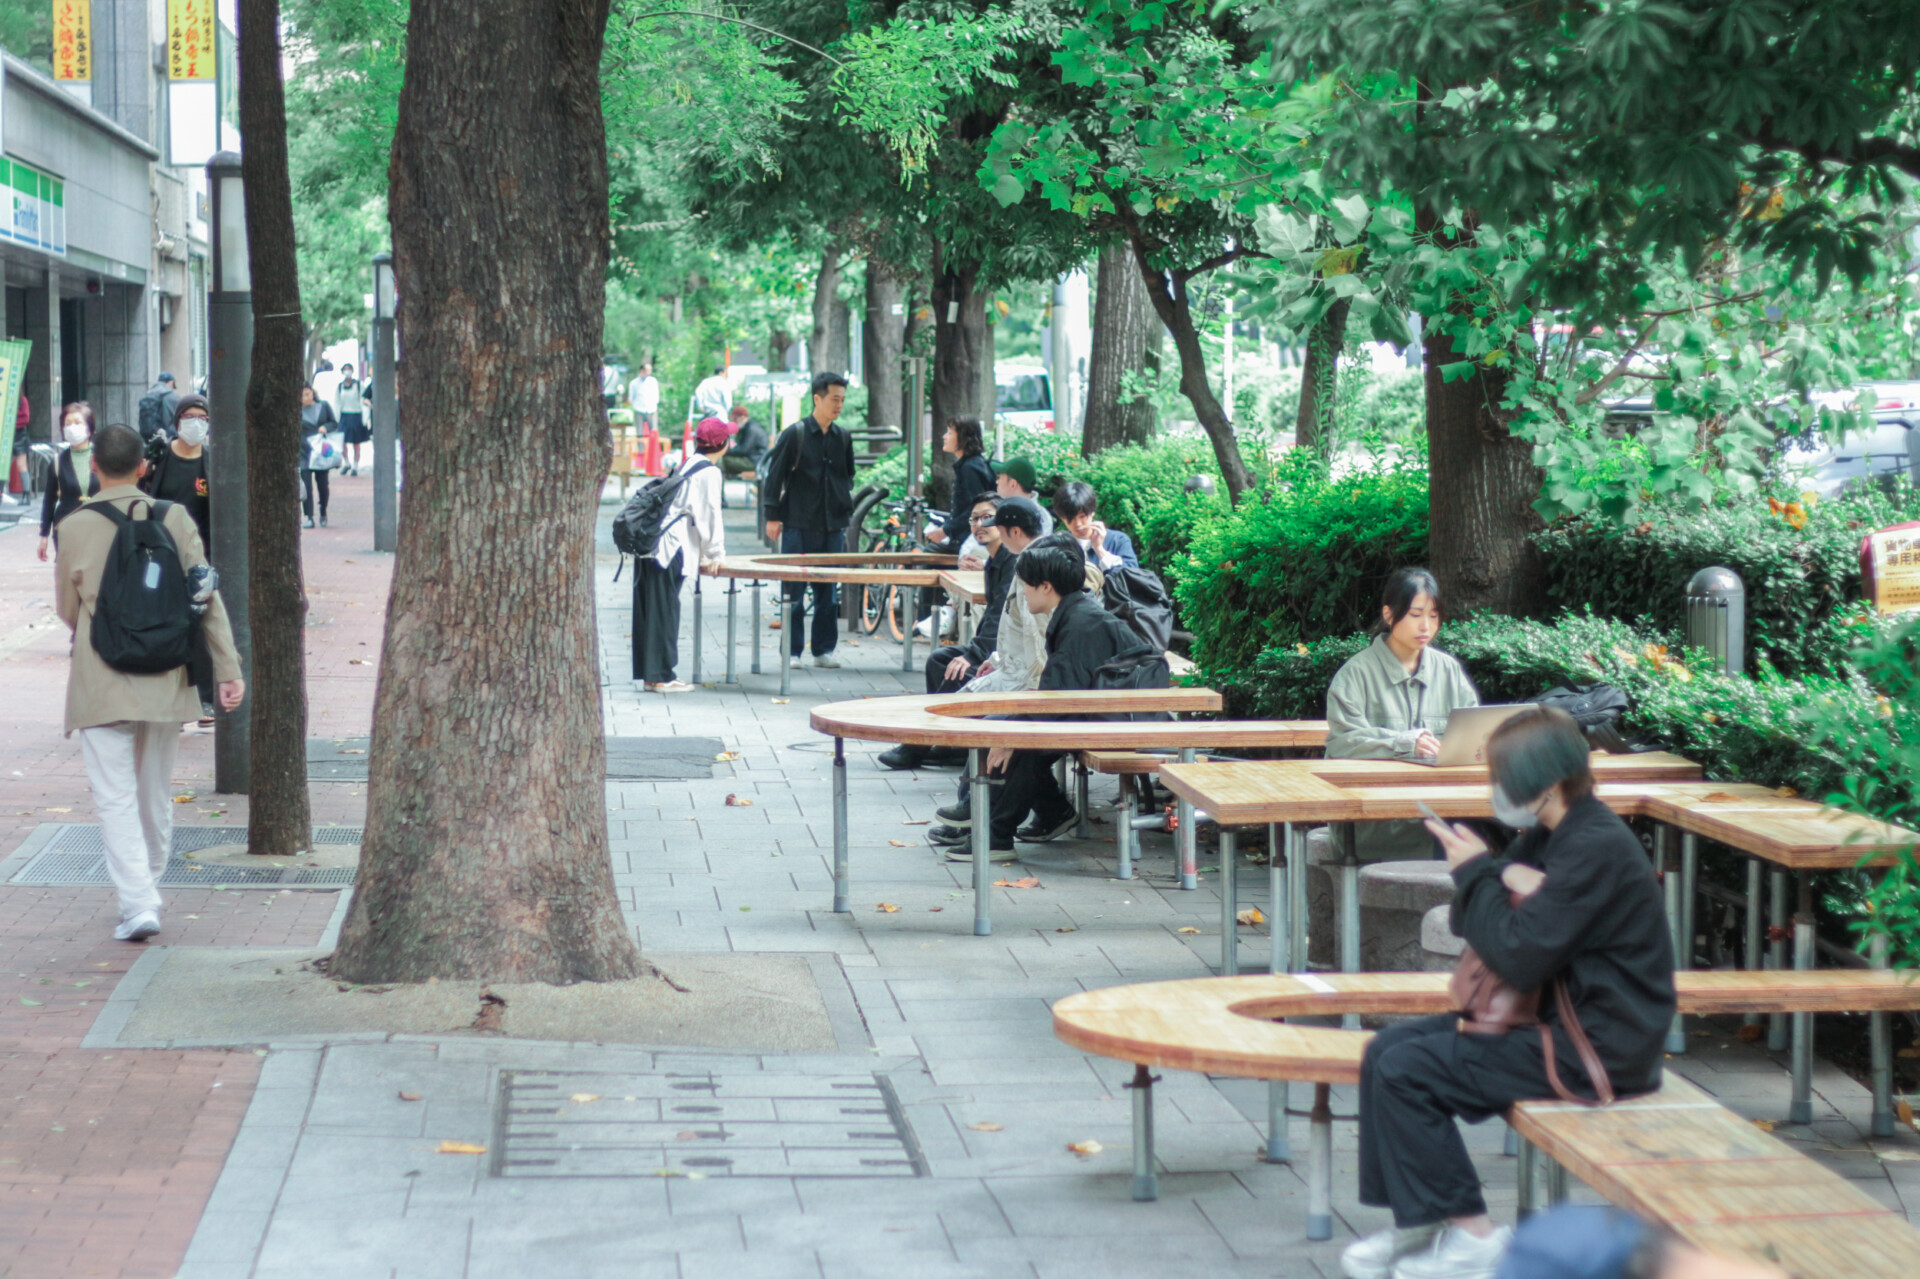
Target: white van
{"x": 1023, "y": 394}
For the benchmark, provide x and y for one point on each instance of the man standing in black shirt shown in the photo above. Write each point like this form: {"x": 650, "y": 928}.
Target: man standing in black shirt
{"x": 809, "y": 499}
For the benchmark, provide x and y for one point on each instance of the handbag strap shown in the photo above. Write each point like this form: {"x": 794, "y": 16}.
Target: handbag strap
{"x": 1589, "y": 1059}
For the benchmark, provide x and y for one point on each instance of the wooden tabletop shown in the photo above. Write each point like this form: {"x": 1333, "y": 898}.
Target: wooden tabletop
{"x": 956, "y": 720}
{"x": 906, "y": 568}
{"x": 965, "y": 584}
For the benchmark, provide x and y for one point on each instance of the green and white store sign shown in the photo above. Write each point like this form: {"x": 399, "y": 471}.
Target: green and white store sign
{"x": 35, "y": 212}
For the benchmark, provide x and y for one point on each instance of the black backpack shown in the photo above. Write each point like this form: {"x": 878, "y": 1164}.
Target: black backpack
{"x": 1138, "y": 669}
{"x": 637, "y": 529}
{"x": 143, "y": 619}
{"x": 1597, "y": 709}
{"x": 153, "y": 415}
{"x": 1137, "y": 597}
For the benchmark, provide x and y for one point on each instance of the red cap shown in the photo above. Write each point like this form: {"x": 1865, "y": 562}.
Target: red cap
{"x": 711, "y": 434}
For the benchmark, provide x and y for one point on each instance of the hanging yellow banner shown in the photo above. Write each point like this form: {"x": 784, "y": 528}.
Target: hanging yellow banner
{"x": 190, "y": 47}
{"x": 72, "y": 39}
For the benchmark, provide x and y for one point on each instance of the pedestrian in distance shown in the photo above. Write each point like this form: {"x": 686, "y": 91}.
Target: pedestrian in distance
{"x": 158, "y": 407}
{"x": 71, "y": 480}
{"x": 1570, "y": 910}
{"x": 643, "y": 395}
{"x": 320, "y": 452}
{"x": 181, "y": 474}
{"x": 808, "y": 496}
{"x": 713, "y": 397}
{"x": 690, "y": 535}
{"x": 965, "y": 443}
{"x": 354, "y": 431}
{"x": 129, "y": 720}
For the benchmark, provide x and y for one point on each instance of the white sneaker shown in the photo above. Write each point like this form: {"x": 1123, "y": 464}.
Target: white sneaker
{"x": 671, "y": 686}
{"x": 827, "y": 660}
{"x": 1455, "y": 1254}
{"x": 138, "y": 927}
{"x": 1373, "y": 1256}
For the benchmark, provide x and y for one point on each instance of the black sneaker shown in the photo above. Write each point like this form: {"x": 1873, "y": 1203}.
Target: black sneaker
{"x": 960, "y": 815}
{"x": 948, "y": 836}
{"x": 945, "y": 757}
{"x": 995, "y": 854}
{"x": 902, "y": 757}
{"x": 1040, "y": 831}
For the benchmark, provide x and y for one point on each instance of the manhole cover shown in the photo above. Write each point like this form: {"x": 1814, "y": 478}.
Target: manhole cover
{"x": 629, "y": 759}
{"x": 76, "y": 856}
{"x": 752, "y": 1124}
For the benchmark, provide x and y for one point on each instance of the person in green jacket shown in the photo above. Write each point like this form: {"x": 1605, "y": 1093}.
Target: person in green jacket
{"x": 1392, "y": 699}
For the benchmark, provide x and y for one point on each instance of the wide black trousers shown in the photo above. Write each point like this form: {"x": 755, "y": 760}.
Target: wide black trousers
{"x": 1415, "y": 1080}
{"x": 656, "y": 619}
{"x": 1029, "y": 787}
{"x": 826, "y": 598}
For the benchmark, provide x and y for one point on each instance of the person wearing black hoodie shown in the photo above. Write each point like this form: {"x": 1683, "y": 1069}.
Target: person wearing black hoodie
{"x": 1572, "y": 901}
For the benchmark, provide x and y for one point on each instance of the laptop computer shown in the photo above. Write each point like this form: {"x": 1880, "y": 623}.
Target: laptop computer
{"x": 1468, "y": 728}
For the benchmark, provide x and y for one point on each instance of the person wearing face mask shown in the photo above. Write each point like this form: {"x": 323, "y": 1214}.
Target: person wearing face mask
{"x": 72, "y": 480}
{"x": 1573, "y": 902}
{"x": 179, "y": 474}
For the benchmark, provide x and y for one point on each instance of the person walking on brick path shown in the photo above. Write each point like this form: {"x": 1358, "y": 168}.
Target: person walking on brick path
{"x": 809, "y": 499}
{"x": 316, "y": 462}
{"x": 353, "y": 419}
{"x": 690, "y": 536}
{"x": 129, "y": 724}
{"x": 71, "y": 479}
{"x": 181, "y": 474}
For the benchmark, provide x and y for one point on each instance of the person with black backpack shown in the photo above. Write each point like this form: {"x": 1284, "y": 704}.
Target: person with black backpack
{"x": 669, "y": 524}
{"x": 158, "y": 408}
{"x": 134, "y": 587}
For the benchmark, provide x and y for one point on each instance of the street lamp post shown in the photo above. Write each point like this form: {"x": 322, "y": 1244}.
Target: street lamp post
{"x": 230, "y": 344}
{"x": 386, "y": 496}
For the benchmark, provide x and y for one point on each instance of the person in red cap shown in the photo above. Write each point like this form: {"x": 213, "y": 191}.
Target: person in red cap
{"x": 689, "y": 534}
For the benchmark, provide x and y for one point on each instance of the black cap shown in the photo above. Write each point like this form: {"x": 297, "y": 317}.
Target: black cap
{"x": 190, "y": 401}
{"x": 1021, "y": 513}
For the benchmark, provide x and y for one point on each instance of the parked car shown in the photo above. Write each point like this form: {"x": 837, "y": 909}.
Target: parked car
{"x": 1861, "y": 456}
{"x": 1023, "y": 395}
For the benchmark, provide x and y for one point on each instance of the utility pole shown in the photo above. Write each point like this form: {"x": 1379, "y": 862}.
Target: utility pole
{"x": 230, "y": 346}
{"x": 386, "y": 496}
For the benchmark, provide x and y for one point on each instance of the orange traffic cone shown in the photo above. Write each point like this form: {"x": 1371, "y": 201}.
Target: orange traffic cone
{"x": 650, "y": 453}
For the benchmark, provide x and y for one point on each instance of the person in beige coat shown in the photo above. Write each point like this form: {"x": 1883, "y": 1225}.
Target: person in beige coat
{"x": 129, "y": 725}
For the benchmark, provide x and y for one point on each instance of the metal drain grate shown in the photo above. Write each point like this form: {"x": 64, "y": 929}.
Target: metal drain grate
{"x": 629, "y": 759}
{"x": 752, "y": 1124}
{"x": 77, "y": 856}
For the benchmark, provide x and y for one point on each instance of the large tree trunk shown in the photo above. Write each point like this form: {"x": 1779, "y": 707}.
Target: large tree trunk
{"x": 486, "y": 845}
{"x": 1127, "y": 336}
{"x": 279, "y": 819}
{"x": 882, "y": 339}
{"x": 1481, "y": 485}
{"x": 1168, "y": 293}
{"x": 832, "y": 320}
{"x": 1319, "y": 379}
{"x": 960, "y": 344}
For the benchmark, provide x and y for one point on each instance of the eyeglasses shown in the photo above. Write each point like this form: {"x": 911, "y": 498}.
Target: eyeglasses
{"x": 980, "y": 519}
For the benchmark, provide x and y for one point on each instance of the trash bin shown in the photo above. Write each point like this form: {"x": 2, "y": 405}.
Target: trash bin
{"x": 1717, "y": 617}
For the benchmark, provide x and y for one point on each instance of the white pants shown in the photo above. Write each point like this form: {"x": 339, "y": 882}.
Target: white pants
{"x": 131, "y": 767}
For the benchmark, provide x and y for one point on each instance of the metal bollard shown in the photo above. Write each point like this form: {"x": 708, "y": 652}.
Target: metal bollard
{"x": 1146, "y": 1183}
{"x": 696, "y": 628}
{"x": 1123, "y": 836}
{"x": 1279, "y": 1145}
{"x": 1717, "y": 617}
{"x": 755, "y": 668}
{"x": 842, "y": 876}
{"x": 1186, "y": 839}
{"x": 733, "y": 617}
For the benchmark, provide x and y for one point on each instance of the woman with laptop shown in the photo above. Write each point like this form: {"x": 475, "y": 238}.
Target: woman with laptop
{"x": 1392, "y": 700}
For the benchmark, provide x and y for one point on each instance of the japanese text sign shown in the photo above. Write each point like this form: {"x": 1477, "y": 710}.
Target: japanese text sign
{"x": 190, "y": 48}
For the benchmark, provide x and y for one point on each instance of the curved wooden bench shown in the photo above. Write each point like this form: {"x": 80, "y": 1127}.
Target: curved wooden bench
{"x": 1224, "y": 1026}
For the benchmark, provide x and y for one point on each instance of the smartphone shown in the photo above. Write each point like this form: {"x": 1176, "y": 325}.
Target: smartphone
{"x": 1426, "y": 811}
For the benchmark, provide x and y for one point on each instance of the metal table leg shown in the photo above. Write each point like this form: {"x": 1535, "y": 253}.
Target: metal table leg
{"x": 1229, "y": 907}
{"x": 1187, "y": 837}
{"x": 1556, "y": 1182}
{"x": 909, "y": 610}
{"x": 1349, "y": 868}
{"x": 1510, "y": 1144}
{"x": 1880, "y": 1035}
{"x": 696, "y": 627}
{"x": 842, "y": 878}
{"x": 1526, "y": 1181}
{"x": 756, "y": 627}
{"x": 1754, "y": 958}
{"x": 1800, "y": 1111}
{"x": 1670, "y": 878}
{"x": 979, "y": 798}
{"x": 1683, "y": 930}
{"x": 1320, "y": 1165}
{"x": 1279, "y": 1145}
{"x": 1279, "y": 852}
{"x": 1081, "y": 799}
{"x": 793, "y": 610}
{"x": 733, "y": 627}
{"x": 1297, "y": 900}
{"x": 1123, "y": 836}
{"x": 1777, "y": 951}
{"x": 1146, "y": 1183}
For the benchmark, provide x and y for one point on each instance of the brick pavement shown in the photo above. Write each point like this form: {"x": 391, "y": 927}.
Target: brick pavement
{"x": 107, "y": 1158}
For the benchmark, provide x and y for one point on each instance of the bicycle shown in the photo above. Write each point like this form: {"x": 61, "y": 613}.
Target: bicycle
{"x": 901, "y": 533}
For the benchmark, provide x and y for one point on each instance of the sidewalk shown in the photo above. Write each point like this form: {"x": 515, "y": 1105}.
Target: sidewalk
{"x": 332, "y": 1171}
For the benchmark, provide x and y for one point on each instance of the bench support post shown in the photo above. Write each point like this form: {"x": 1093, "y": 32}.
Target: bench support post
{"x": 1320, "y": 1165}
{"x": 1146, "y": 1184}
{"x": 733, "y": 627}
{"x": 794, "y": 610}
{"x": 842, "y": 889}
{"x": 1880, "y": 1036}
{"x": 1123, "y": 836}
{"x": 1670, "y": 884}
{"x": 1755, "y": 957}
{"x": 1510, "y": 1144}
{"x": 909, "y": 618}
{"x": 1229, "y": 907}
{"x": 1187, "y": 838}
{"x": 1348, "y": 873}
{"x": 1279, "y": 925}
{"x": 1279, "y": 1145}
{"x": 1556, "y": 1182}
{"x": 1297, "y": 898}
{"x": 980, "y": 799}
{"x": 1525, "y": 1182}
{"x": 696, "y": 625}
{"x": 755, "y": 666}
{"x": 1777, "y": 952}
{"x": 1800, "y": 1111}
{"x": 1081, "y": 799}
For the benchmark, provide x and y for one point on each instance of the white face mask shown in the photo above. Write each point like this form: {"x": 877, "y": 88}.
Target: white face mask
{"x": 1508, "y": 813}
{"x": 76, "y": 433}
{"x": 194, "y": 431}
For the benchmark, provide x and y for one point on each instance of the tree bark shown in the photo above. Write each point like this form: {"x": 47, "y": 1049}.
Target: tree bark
{"x": 832, "y": 320}
{"x": 1481, "y": 484}
{"x": 882, "y": 342}
{"x": 1168, "y": 293}
{"x": 486, "y": 850}
{"x": 279, "y": 818}
{"x": 1127, "y": 337}
{"x": 1319, "y": 379}
{"x": 960, "y": 343}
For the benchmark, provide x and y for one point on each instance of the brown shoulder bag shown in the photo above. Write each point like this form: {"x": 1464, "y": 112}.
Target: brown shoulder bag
{"x": 1491, "y": 1005}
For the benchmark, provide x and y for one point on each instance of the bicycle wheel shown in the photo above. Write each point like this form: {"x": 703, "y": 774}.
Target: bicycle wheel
{"x": 871, "y": 601}
{"x": 896, "y": 602}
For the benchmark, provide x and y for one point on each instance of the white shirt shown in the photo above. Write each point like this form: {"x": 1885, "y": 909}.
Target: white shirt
{"x": 693, "y": 521}
{"x": 713, "y": 398}
{"x": 643, "y": 393}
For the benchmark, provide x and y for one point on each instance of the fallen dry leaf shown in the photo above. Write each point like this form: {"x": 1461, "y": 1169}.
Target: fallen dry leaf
{"x": 185, "y": 799}
{"x": 409, "y": 1096}
{"x": 901, "y": 843}
{"x": 1908, "y": 1052}
{"x": 1897, "y": 1156}
{"x": 781, "y": 701}
{"x": 1251, "y": 915}
{"x": 935, "y": 910}
{"x": 1786, "y": 792}
{"x": 1718, "y": 797}
{"x": 582, "y": 1098}
{"x": 1904, "y": 1109}
{"x": 359, "y": 661}
{"x": 69, "y": 810}
{"x": 1028, "y": 882}
{"x": 1764, "y": 1125}
{"x": 985, "y": 1125}
{"x": 461, "y": 1148}
{"x": 1189, "y": 929}
{"x": 726, "y": 757}
{"x": 1066, "y": 930}
{"x": 1748, "y": 1034}
{"x": 925, "y": 822}
{"x": 686, "y": 1136}
{"x": 736, "y": 801}
{"x": 352, "y": 752}
{"x": 1085, "y": 1147}
{"x": 887, "y": 908}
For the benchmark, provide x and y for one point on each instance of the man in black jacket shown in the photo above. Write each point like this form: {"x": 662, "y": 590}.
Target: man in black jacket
{"x": 1082, "y": 637}
{"x": 809, "y": 499}
{"x": 952, "y": 665}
